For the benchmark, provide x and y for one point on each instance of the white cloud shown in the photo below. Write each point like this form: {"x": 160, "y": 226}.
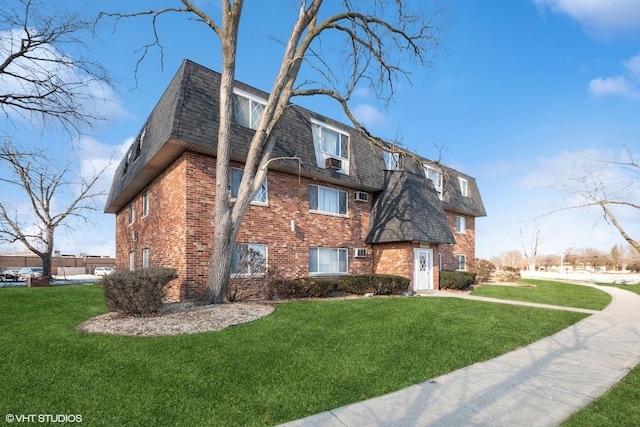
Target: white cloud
{"x": 544, "y": 195}
{"x": 633, "y": 66}
{"x": 611, "y": 86}
{"x": 601, "y": 18}
{"x": 369, "y": 116}
{"x": 95, "y": 156}
{"x": 93, "y": 97}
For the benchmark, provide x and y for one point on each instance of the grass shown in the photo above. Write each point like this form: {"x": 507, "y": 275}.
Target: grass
{"x": 548, "y": 292}
{"x": 305, "y": 358}
{"x": 618, "y": 407}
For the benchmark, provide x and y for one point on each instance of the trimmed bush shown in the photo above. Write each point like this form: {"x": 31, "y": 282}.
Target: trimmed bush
{"x": 379, "y": 284}
{"x": 508, "y": 274}
{"x": 483, "y": 270}
{"x": 137, "y": 293}
{"x": 457, "y": 280}
{"x": 307, "y": 287}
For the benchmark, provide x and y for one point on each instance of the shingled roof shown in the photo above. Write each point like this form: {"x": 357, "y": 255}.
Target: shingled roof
{"x": 408, "y": 210}
{"x": 186, "y": 118}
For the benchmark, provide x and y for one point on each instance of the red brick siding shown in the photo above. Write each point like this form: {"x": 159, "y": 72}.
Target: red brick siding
{"x": 465, "y": 243}
{"x": 162, "y": 231}
{"x": 179, "y": 230}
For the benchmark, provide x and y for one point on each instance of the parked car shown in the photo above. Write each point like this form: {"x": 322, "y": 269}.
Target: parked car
{"x": 10, "y": 275}
{"x": 103, "y": 271}
{"x": 27, "y": 272}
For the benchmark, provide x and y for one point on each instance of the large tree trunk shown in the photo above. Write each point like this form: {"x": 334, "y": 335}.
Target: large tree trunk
{"x": 224, "y": 233}
{"x": 46, "y": 264}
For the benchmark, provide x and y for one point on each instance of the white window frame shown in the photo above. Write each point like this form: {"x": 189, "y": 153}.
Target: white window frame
{"x": 145, "y": 204}
{"x": 436, "y": 176}
{"x": 145, "y": 258}
{"x": 258, "y": 248}
{"x": 132, "y": 261}
{"x": 321, "y": 155}
{"x": 391, "y": 160}
{"x": 254, "y": 101}
{"x": 341, "y": 195}
{"x": 132, "y": 213}
{"x": 461, "y": 262}
{"x": 464, "y": 186}
{"x": 257, "y": 199}
{"x": 461, "y": 224}
{"x": 342, "y": 260}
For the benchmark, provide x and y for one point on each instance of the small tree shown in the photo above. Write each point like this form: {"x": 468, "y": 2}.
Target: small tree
{"x": 42, "y": 185}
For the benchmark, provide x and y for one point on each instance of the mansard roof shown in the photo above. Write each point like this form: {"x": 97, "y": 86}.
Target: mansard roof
{"x": 186, "y": 118}
{"x": 408, "y": 210}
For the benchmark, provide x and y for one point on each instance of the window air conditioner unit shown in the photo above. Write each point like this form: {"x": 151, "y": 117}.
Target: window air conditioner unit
{"x": 359, "y": 252}
{"x": 332, "y": 163}
{"x": 361, "y": 196}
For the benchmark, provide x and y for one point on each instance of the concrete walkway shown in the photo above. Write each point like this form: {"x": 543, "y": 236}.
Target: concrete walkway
{"x": 541, "y": 384}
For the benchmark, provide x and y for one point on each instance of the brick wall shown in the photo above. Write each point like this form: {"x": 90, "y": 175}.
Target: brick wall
{"x": 162, "y": 231}
{"x": 465, "y": 243}
{"x": 178, "y": 231}
{"x": 179, "y": 228}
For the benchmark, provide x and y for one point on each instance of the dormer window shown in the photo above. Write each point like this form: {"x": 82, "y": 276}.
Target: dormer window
{"x": 435, "y": 176}
{"x": 330, "y": 142}
{"x": 247, "y": 108}
{"x": 390, "y": 160}
{"x": 464, "y": 185}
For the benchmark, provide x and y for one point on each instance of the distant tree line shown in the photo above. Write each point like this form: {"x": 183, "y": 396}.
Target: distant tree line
{"x": 617, "y": 258}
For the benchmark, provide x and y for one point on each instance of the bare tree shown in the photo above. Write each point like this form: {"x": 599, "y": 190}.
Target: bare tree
{"x": 374, "y": 39}
{"x": 530, "y": 246}
{"x": 31, "y": 178}
{"x": 610, "y": 185}
{"x": 39, "y": 79}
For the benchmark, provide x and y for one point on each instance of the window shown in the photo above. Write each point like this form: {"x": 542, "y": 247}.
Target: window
{"x": 145, "y": 258}
{"x": 132, "y": 261}
{"x": 436, "y": 177}
{"x": 236, "y": 177}
{"x": 390, "y": 160}
{"x": 440, "y": 261}
{"x": 132, "y": 212}
{"x": 247, "y": 109}
{"x": 461, "y": 263}
{"x": 249, "y": 259}
{"x": 327, "y": 200}
{"x": 327, "y": 261}
{"x": 461, "y": 224}
{"x": 145, "y": 204}
{"x": 463, "y": 186}
{"x": 330, "y": 142}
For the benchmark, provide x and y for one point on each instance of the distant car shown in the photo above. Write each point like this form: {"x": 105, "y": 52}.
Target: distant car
{"x": 103, "y": 271}
{"x": 27, "y": 272}
{"x": 10, "y": 275}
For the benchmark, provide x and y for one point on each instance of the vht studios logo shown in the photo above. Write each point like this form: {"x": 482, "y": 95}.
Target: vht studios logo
{"x": 43, "y": 418}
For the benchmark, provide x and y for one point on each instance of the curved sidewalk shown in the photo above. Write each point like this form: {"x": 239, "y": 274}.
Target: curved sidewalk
{"x": 541, "y": 384}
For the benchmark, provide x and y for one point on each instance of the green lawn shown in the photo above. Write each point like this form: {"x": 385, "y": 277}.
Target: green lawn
{"x": 548, "y": 292}
{"x": 305, "y": 358}
{"x": 620, "y": 406}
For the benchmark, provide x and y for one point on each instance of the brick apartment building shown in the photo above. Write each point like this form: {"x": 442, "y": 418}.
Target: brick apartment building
{"x": 351, "y": 208}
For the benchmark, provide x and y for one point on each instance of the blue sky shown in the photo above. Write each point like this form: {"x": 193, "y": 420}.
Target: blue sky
{"x": 522, "y": 94}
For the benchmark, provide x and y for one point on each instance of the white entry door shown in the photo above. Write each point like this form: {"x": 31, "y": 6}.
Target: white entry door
{"x": 423, "y": 269}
